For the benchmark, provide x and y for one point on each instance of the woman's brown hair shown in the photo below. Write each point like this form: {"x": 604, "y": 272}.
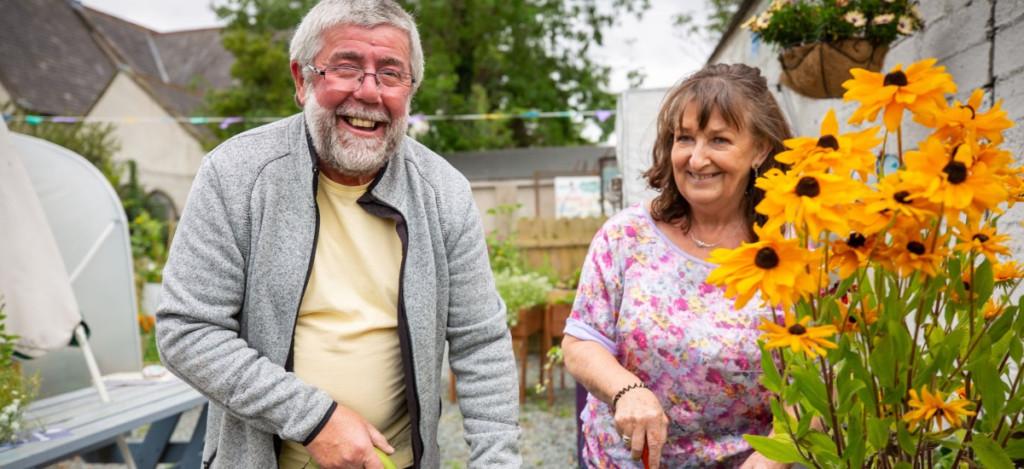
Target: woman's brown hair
{"x": 740, "y": 94}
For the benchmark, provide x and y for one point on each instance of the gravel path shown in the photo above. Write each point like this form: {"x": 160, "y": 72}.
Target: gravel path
{"x": 548, "y": 437}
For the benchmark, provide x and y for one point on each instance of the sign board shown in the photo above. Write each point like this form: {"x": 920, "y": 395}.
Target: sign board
{"x": 577, "y": 196}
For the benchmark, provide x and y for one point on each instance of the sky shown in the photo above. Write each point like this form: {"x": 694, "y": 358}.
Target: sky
{"x": 650, "y": 45}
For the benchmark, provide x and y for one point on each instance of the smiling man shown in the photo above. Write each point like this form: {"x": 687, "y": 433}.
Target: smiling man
{"x": 323, "y": 262}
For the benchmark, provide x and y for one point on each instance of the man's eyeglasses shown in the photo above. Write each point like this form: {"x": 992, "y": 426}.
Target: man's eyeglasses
{"x": 349, "y": 78}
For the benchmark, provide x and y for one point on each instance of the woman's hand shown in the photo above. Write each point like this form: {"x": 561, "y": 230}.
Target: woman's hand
{"x": 640, "y": 419}
{"x": 758, "y": 461}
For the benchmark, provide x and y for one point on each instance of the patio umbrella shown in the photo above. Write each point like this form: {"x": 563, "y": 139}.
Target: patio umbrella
{"x": 40, "y": 306}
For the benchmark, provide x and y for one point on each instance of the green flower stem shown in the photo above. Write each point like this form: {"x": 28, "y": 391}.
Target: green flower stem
{"x": 881, "y": 155}
{"x": 967, "y": 435}
{"x": 899, "y": 144}
{"x": 918, "y": 319}
{"x": 837, "y": 431}
{"x": 1013, "y": 420}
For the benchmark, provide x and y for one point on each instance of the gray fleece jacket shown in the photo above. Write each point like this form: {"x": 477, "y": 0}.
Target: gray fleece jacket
{"x": 237, "y": 272}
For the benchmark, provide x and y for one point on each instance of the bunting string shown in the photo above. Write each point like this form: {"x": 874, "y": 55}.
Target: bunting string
{"x": 227, "y": 121}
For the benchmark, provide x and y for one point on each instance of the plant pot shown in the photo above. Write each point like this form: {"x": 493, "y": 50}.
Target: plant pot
{"x": 818, "y": 70}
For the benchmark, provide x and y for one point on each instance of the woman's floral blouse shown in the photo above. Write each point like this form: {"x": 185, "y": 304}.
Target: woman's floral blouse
{"x": 646, "y": 301}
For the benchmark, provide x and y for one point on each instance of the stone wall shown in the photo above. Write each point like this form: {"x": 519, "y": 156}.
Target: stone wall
{"x": 981, "y": 43}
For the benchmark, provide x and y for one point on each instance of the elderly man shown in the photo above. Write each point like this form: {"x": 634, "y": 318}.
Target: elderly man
{"x": 323, "y": 261}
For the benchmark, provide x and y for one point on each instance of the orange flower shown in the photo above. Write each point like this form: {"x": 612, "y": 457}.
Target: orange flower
{"x": 780, "y": 268}
{"x": 931, "y": 408}
{"x": 982, "y": 239}
{"x": 798, "y": 336}
{"x": 146, "y": 323}
{"x": 921, "y": 88}
{"x": 992, "y": 310}
{"x": 832, "y": 151}
{"x": 895, "y": 197}
{"x": 966, "y": 122}
{"x": 952, "y": 179}
{"x": 816, "y": 200}
{"x": 851, "y": 253}
{"x": 1006, "y": 271}
{"x": 911, "y": 252}
{"x": 853, "y": 317}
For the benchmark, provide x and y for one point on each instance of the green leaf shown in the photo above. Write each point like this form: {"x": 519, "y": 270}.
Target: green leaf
{"x": 883, "y": 362}
{"x": 1015, "y": 449}
{"x": 776, "y": 448}
{"x": 904, "y": 439}
{"x": 988, "y": 383}
{"x": 983, "y": 284}
{"x": 846, "y": 395}
{"x": 812, "y": 389}
{"x": 770, "y": 378}
{"x": 878, "y": 432}
{"x": 989, "y": 453}
{"x": 855, "y": 438}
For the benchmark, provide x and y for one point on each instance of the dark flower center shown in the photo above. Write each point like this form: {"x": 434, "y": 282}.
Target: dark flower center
{"x": 856, "y": 240}
{"x": 980, "y": 237}
{"x": 915, "y": 247}
{"x": 828, "y": 141}
{"x": 967, "y": 285}
{"x": 808, "y": 187}
{"x": 766, "y": 258}
{"x": 850, "y": 319}
{"x": 956, "y": 172}
{"x": 901, "y": 197}
{"x": 968, "y": 106}
{"x": 797, "y": 329}
{"x": 897, "y": 78}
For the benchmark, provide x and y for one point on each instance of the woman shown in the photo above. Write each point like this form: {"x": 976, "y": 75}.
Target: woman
{"x": 669, "y": 362}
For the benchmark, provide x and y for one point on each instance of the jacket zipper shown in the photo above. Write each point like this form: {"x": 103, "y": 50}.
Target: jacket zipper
{"x": 288, "y": 364}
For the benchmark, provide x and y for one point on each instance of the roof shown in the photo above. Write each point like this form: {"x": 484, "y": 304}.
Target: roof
{"x": 737, "y": 19}
{"x": 523, "y": 163}
{"x": 49, "y": 62}
{"x": 89, "y": 46}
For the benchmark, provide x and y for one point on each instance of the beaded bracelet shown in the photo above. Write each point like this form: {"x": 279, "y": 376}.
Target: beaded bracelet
{"x": 624, "y": 390}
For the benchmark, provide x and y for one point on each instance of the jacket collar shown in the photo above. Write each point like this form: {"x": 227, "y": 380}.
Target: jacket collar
{"x": 389, "y": 186}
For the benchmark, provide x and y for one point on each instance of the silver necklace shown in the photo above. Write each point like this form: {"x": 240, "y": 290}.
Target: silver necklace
{"x": 699, "y": 243}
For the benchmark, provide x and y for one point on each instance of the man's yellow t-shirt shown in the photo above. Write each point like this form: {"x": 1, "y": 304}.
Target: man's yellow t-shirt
{"x": 346, "y": 336}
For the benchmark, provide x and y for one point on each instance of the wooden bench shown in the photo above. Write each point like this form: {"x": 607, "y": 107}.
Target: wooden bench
{"x": 91, "y": 426}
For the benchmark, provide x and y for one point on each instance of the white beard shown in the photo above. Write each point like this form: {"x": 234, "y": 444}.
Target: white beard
{"x": 345, "y": 152}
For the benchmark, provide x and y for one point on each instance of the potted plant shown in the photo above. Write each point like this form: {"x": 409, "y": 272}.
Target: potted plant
{"x": 149, "y": 249}
{"x": 821, "y": 40}
{"x": 16, "y": 391}
{"x": 898, "y": 331}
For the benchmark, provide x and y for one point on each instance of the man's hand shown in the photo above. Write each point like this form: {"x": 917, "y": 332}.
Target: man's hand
{"x": 347, "y": 441}
{"x": 640, "y": 419}
{"x": 758, "y": 461}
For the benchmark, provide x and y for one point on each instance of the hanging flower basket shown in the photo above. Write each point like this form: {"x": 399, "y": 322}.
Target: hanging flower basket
{"x": 818, "y": 70}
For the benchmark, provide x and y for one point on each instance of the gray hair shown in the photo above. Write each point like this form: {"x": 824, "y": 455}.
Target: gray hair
{"x": 307, "y": 41}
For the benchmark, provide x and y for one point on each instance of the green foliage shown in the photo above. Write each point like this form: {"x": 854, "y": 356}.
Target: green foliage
{"x": 94, "y": 141}
{"x": 789, "y": 23}
{"x": 149, "y": 247}
{"x": 16, "y": 392}
{"x": 720, "y": 13}
{"x": 520, "y": 290}
{"x": 498, "y": 57}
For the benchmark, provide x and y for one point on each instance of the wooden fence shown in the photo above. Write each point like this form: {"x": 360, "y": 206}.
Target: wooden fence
{"x": 556, "y": 245}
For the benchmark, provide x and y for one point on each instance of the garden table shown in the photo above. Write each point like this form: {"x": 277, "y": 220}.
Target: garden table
{"x": 80, "y": 422}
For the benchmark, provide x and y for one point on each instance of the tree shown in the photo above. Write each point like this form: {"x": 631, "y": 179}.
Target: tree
{"x": 720, "y": 13}
{"x": 482, "y": 56}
